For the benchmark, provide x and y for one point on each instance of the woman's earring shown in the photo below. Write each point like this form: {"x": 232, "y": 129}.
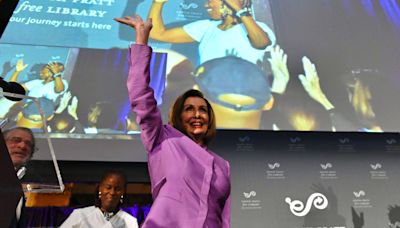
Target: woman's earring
{"x": 99, "y": 195}
{"x": 122, "y": 199}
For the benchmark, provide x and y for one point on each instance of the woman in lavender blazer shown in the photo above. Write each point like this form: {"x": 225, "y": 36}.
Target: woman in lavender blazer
{"x": 190, "y": 183}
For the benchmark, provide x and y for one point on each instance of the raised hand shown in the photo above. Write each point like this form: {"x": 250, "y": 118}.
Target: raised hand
{"x": 20, "y": 66}
{"x": 142, "y": 28}
{"x": 63, "y": 102}
{"x": 311, "y": 85}
{"x": 236, "y": 4}
{"x": 279, "y": 69}
{"x": 73, "y": 107}
{"x": 361, "y": 100}
{"x": 56, "y": 68}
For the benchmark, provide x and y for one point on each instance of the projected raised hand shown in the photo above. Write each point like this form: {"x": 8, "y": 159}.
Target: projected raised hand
{"x": 236, "y": 4}
{"x": 311, "y": 85}
{"x": 278, "y": 61}
{"x": 63, "y": 102}
{"x": 20, "y": 66}
{"x": 55, "y": 68}
{"x": 361, "y": 100}
{"x": 73, "y": 107}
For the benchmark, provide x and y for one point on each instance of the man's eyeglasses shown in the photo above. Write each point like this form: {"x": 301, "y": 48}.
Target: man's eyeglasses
{"x": 17, "y": 140}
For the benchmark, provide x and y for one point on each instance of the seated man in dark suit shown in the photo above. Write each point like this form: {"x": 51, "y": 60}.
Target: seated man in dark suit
{"x": 21, "y": 146}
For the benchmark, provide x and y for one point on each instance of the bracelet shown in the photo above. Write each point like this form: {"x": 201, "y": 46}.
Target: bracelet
{"x": 243, "y": 12}
{"x": 57, "y": 75}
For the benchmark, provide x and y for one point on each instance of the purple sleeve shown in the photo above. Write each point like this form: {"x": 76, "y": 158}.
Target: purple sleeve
{"x": 226, "y": 212}
{"x": 141, "y": 95}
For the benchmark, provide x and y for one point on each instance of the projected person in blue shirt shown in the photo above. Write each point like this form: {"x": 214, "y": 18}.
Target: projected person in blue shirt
{"x": 231, "y": 30}
{"x": 50, "y": 83}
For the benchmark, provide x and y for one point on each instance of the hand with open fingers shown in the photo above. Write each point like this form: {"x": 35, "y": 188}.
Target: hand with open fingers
{"x": 55, "y": 67}
{"x": 142, "y": 27}
{"x": 278, "y": 61}
{"x": 72, "y": 108}
{"x": 311, "y": 85}
{"x": 63, "y": 102}
{"x": 235, "y": 4}
{"x": 310, "y": 80}
{"x": 20, "y": 66}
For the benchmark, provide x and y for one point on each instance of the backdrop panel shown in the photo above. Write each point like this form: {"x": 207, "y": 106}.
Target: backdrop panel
{"x": 312, "y": 179}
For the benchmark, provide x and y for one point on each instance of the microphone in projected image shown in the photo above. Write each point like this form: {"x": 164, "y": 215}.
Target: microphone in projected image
{"x": 12, "y": 87}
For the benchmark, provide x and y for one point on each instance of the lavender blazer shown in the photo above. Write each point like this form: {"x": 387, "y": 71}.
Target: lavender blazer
{"x": 190, "y": 184}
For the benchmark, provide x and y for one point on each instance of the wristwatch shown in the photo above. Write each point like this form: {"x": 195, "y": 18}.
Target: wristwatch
{"x": 243, "y": 12}
{"x": 57, "y": 75}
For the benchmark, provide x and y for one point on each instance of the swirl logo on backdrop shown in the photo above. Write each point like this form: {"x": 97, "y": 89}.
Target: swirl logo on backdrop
{"x": 244, "y": 144}
{"x": 274, "y": 166}
{"x": 326, "y": 166}
{"x": 299, "y": 209}
{"x": 189, "y": 6}
{"x": 244, "y": 139}
{"x": 391, "y": 141}
{"x": 359, "y": 193}
{"x": 274, "y": 172}
{"x": 250, "y": 201}
{"x": 345, "y": 145}
{"x": 360, "y": 199}
{"x": 376, "y": 166}
{"x": 392, "y": 145}
{"x": 296, "y": 144}
{"x": 327, "y": 171}
{"x": 377, "y": 171}
{"x": 54, "y": 58}
{"x": 295, "y": 139}
{"x": 250, "y": 194}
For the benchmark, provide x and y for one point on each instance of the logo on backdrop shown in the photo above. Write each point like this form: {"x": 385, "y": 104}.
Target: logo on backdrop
{"x": 274, "y": 166}
{"x": 327, "y": 171}
{"x": 344, "y": 140}
{"x": 391, "y": 141}
{"x": 250, "y": 194}
{"x": 378, "y": 172}
{"x": 244, "y": 139}
{"x": 296, "y": 144}
{"x": 392, "y": 145}
{"x": 326, "y": 166}
{"x": 361, "y": 200}
{"x": 376, "y": 166}
{"x": 295, "y": 139}
{"x": 189, "y": 6}
{"x": 318, "y": 200}
{"x": 251, "y": 201}
{"x": 359, "y": 193}
{"x": 345, "y": 145}
{"x": 244, "y": 144}
{"x": 274, "y": 171}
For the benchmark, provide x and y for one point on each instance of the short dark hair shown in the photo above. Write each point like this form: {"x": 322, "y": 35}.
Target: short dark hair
{"x": 27, "y": 130}
{"x": 97, "y": 201}
{"x": 175, "y": 114}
